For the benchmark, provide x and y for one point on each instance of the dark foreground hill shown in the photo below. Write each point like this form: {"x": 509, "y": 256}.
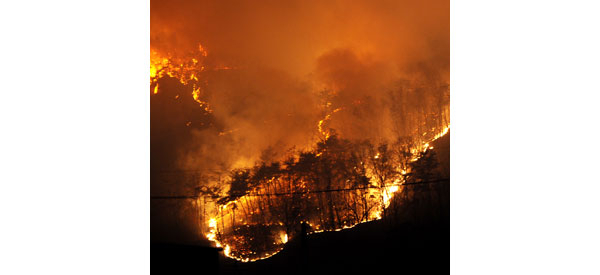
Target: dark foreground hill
{"x": 372, "y": 247}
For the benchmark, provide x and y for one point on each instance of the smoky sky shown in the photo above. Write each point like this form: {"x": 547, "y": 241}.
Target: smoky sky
{"x": 294, "y": 62}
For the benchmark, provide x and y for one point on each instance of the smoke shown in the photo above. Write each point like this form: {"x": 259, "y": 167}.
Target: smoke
{"x": 375, "y": 67}
{"x": 257, "y": 108}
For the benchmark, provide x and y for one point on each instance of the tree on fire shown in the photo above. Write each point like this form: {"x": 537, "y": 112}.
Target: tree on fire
{"x": 383, "y": 168}
{"x": 338, "y": 183}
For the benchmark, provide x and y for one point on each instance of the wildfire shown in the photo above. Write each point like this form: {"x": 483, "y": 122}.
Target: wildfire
{"x": 159, "y": 67}
{"x": 388, "y": 193}
{"x": 186, "y": 70}
{"x": 196, "y": 96}
{"x": 443, "y": 133}
{"x": 247, "y": 146}
{"x": 222, "y": 225}
{"x": 326, "y": 133}
{"x": 212, "y": 233}
{"x": 379, "y": 196}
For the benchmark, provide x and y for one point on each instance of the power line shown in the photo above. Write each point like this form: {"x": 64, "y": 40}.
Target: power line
{"x": 342, "y": 189}
{"x": 310, "y": 191}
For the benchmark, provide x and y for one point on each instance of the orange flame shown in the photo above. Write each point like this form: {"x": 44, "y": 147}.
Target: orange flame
{"x": 381, "y": 197}
{"x": 326, "y": 133}
{"x": 187, "y": 71}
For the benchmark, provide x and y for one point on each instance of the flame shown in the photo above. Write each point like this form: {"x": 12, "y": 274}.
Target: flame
{"x": 187, "y": 71}
{"x": 202, "y": 50}
{"x": 212, "y": 231}
{"x": 382, "y": 198}
{"x": 388, "y": 193}
{"x": 153, "y": 70}
{"x": 325, "y": 133}
{"x": 227, "y": 132}
{"x": 196, "y": 96}
{"x": 443, "y": 133}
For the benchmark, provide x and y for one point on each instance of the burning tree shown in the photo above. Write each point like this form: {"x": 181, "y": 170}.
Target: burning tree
{"x": 337, "y": 184}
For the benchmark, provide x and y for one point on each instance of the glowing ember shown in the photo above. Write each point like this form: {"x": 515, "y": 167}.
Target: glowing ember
{"x": 196, "y": 96}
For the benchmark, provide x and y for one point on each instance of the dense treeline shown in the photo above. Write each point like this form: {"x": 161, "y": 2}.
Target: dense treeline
{"x": 338, "y": 184}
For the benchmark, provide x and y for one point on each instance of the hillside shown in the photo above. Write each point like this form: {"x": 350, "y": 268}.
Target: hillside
{"x": 415, "y": 238}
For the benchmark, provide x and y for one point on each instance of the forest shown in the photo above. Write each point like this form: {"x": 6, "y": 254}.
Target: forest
{"x": 338, "y": 184}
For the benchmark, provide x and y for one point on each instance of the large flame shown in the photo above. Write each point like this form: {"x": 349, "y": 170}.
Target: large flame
{"x": 380, "y": 197}
{"x": 186, "y": 70}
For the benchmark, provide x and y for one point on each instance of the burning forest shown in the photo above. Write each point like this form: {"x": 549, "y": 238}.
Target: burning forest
{"x": 336, "y": 185}
{"x": 267, "y": 118}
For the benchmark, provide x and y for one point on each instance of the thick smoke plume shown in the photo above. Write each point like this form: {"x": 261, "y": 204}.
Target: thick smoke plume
{"x": 371, "y": 70}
